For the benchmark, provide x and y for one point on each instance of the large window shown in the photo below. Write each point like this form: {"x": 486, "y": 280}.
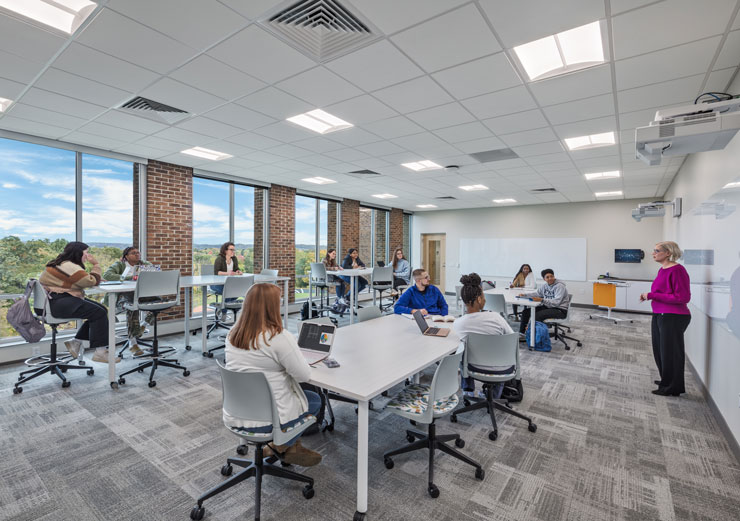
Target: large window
{"x": 315, "y": 231}
{"x": 406, "y": 235}
{"x": 373, "y": 236}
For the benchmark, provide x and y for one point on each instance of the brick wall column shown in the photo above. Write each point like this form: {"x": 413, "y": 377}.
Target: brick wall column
{"x": 136, "y": 206}
{"x": 331, "y": 225}
{"x": 396, "y": 230}
{"x": 350, "y": 225}
{"x": 169, "y": 221}
{"x": 259, "y": 232}
{"x": 282, "y": 234}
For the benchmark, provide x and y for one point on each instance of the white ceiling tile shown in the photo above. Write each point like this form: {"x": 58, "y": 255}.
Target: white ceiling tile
{"x": 500, "y": 103}
{"x": 38, "y": 115}
{"x": 123, "y": 38}
{"x": 239, "y": 116}
{"x": 289, "y": 151}
{"x": 319, "y": 160}
{"x": 638, "y": 118}
{"x": 529, "y": 137}
{"x": 319, "y": 144}
{"x": 599, "y": 164}
{"x": 135, "y": 149}
{"x": 480, "y": 145}
{"x": 666, "y": 64}
{"x": 252, "y": 140}
{"x": 453, "y": 38}
{"x": 353, "y": 137}
{"x": 380, "y": 148}
{"x": 730, "y": 55}
{"x": 516, "y": 122}
{"x": 391, "y": 15}
{"x": 394, "y": 127}
{"x": 253, "y": 9}
{"x": 487, "y": 74}
{"x": 347, "y": 154}
{"x": 27, "y": 41}
{"x": 197, "y": 24}
{"x": 596, "y": 107}
{"x": 130, "y": 122}
{"x": 285, "y": 131}
{"x": 275, "y": 103}
{"x": 413, "y": 95}
{"x": 422, "y": 141}
{"x": 61, "y": 82}
{"x": 166, "y": 145}
{"x": 689, "y": 21}
{"x": 669, "y": 92}
{"x": 18, "y": 69}
{"x": 442, "y": 116}
{"x": 538, "y": 149}
{"x": 719, "y": 81}
{"x": 10, "y": 89}
{"x": 620, "y": 6}
{"x": 375, "y": 66}
{"x": 56, "y": 102}
{"x": 107, "y": 131}
{"x": 360, "y": 110}
{"x": 465, "y": 132}
{"x": 598, "y": 152}
{"x": 626, "y": 137}
{"x": 186, "y": 137}
{"x": 34, "y": 128}
{"x": 93, "y": 140}
{"x": 521, "y": 22}
{"x": 231, "y": 148}
{"x": 319, "y": 86}
{"x": 214, "y": 77}
{"x": 270, "y": 59}
{"x": 587, "y": 127}
{"x": 546, "y": 161}
{"x": 210, "y": 127}
{"x": 577, "y": 85}
{"x": 181, "y": 96}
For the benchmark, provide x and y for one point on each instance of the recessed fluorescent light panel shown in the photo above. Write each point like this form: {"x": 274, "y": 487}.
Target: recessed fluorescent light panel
{"x": 319, "y": 180}
{"x": 63, "y": 15}
{"x": 504, "y": 201}
{"x": 385, "y": 196}
{"x": 602, "y": 175}
{"x": 564, "y": 52}
{"x": 320, "y": 121}
{"x": 734, "y": 184}
{"x": 592, "y": 141}
{"x": 421, "y": 166}
{"x": 616, "y": 193}
{"x": 4, "y": 104}
{"x": 426, "y": 205}
{"x": 206, "y": 153}
{"x": 472, "y": 188}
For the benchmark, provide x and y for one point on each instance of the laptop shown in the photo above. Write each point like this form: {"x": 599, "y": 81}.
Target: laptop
{"x": 426, "y": 329}
{"x": 315, "y": 341}
{"x": 381, "y": 264}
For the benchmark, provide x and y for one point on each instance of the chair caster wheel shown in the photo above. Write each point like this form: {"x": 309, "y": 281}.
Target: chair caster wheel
{"x": 205, "y": 355}
{"x": 140, "y": 370}
{"x": 210, "y": 355}
{"x": 412, "y": 422}
{"x": 433, "y": 491}
{"x": 359, "y": 516}
{"x": 580, "y": 344}
{"x": 66, "y": 384}
{"x": 459, "y": 443}
{"x": 466, "y": 402}
{"x": 410, "y": 438}
{"x": 284, "y": 464}
{"x": 330, "y": 427}
{"x": 188, "y": 348}
{"x": 242, "y": 450}
{"x": 590, "y": 317}
{"x": 186, "y": 373}
{"x": 453, "y": 418}
{"x": 308, "y": 491}
{"x": 226, "y": 470}
{"x": 121, "y": 380}
{"x": 532, "y": 427}
{"x": 567, "y": 348}
{"x": 480, "y": 474}
{"x": 81, "y": 362}
{"x": 114, "y": 385}
{"x": 152, "y": 383}
{"x": 493, "y": 435}
{"x": 90, "y": 372}
{"x": 197, "y": 513}
{"x": 388, "y": 463}
{"x": 64, "y": 369}
{"x": 17, "y": 390}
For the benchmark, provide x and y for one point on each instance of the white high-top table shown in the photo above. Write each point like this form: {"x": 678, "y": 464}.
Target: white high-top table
{"x": 374, "y": 356}
{"x": 510, "y": 294}
{"x": 112, "y": 291}
{"x": 353, "y": 274}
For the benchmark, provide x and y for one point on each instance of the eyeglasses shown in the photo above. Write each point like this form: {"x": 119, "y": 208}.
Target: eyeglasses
{"x": 231, "y": 249}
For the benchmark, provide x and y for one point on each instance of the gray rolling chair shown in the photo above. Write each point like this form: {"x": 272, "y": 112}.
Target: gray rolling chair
{"x": 382, "y": 280}
{"x": 492, "y": 359}
{"x": 269, "y": 273}
{"x": 320, "y": 280}
{"x": 560, "y": 325}
{"x": 55, "y": 363}
{"x": 155, "y": 285}
{"x": 413, "y": 403}
{"x": 260, "y": 407}
{"x": 235, "y": 287}
{"x": 497, "y": 304}
{"x": 370, "y": 313}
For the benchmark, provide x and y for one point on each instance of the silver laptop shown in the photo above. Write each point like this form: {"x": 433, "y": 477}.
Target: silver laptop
{"x": 315, "y": 341}
{"x": 426, "y": 329}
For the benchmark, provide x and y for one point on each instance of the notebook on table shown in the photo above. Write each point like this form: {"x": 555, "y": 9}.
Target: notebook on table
{"x": 315, "y": 341}
{"x": 429, "y": 331}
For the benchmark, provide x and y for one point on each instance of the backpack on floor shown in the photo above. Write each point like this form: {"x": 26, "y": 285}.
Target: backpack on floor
{"x": 513, "y": 391}
{"x": 304, "y": 311}
{"x": 541, "y": 337}
{"x": 22, "y": 319}
{"x": 314, "y": 429}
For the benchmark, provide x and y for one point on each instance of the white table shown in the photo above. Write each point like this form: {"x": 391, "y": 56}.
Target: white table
{"x": 510, "y": 296}
{"x": 353, "y": 274}
{"x": 374, "y": 356}
{"x": 112, "y": 291}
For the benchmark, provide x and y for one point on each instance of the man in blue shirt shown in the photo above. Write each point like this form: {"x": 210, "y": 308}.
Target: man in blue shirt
{"x": 422, "y": 296}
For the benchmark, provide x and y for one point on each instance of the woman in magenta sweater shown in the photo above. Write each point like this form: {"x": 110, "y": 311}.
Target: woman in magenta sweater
{"x": 669, "y": 294}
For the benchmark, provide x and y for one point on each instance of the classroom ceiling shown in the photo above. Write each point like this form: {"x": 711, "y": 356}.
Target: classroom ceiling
{"x": 433, "y": 81}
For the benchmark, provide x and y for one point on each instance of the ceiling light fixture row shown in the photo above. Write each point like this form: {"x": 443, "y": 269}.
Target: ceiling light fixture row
{"x": 320, "y": 121}
{"x": 4, "y": 104}
{"x": 422, "y": 166}
{"x": 602, "y": 175}
{"x": 615, "y": 193}
{"x": 593, "y": 141}
{"x": 206, "y": 153}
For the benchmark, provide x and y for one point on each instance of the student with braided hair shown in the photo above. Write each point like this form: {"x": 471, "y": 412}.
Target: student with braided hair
{"x": 477, "y": 320}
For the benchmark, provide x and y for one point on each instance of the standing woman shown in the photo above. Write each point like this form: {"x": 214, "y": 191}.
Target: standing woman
{"x": 226, "y": 263}
{"x": 669, "y": 294}
{"x": 330, "y": 261}
{"x": 524, "y": 279}
{"x": 401, "y": 269}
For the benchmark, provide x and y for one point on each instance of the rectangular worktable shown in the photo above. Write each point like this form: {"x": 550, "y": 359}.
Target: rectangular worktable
{"x": 510, "y": 294}
{"x": 352, "y": 275}
{"x": 374, "y": 356}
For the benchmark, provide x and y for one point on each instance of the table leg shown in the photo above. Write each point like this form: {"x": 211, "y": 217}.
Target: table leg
{"x": 362, "y": 458}
{"x": 187, "y": 318}
{"x": 351, "y": 299}
{"x": 204, "y": 320}
{"x": 310, "y": 298}
{"x": 531, "y": 325}
{"x": 112, "y": 340}
{"x": 285, "y": 303}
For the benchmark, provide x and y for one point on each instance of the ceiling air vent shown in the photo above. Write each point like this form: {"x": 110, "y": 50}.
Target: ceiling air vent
{"x": 446, "y": 198}
{"x": 543, "y": 191}
{"x": 323, "y": 29}
{"x": 362, "y": 173}
{"x": 154, "y": 110}
{"x": 494, "y": 155}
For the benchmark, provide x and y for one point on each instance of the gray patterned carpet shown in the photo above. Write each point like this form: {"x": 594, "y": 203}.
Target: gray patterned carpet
{"x": 606, "y": 449}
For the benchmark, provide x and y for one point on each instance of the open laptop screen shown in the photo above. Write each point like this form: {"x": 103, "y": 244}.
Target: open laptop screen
{"x": 421, "y": 321}
{"x": 316, "y": 337}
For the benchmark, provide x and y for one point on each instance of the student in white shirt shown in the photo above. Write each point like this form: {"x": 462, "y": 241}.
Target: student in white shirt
{"x": 523, "y": 279}
{"x": 477, "y": 320}
{"x": 258, "y": 343}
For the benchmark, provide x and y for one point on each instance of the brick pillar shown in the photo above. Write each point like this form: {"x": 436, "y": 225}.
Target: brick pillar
{"x": 380, "y": 238}
{"x": 259, "y": 232}
{"x": 350, "y": 225}
{"x": 169, "y": 220}
{"x": 136, "y": 206}
{"x": 396, "y": 230}
{"x": 282, "y": 234}
{"x": 331, "y": 225}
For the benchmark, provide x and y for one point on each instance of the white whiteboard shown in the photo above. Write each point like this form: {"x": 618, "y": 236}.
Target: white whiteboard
{"x": 502, "y": 257}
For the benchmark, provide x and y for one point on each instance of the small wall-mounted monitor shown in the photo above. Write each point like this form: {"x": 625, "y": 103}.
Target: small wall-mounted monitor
{"x": 700, "y": 257}
{"x": 631, "y": 256}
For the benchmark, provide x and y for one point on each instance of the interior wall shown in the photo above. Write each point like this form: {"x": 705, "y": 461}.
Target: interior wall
{"x": 605, "y": 225}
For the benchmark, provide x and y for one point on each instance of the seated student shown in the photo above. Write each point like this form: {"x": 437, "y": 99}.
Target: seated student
{"x": 123, "y": 269}
{"x": 477, "y": 320}
{"x": 401, "y": 269}
{"x": 226, "y": 263}
{"x": 65, "y": 279}
{"x": 352, "y": 261}
{"x": 330, "y": 261}
{"x": 554, "y": 297}
{"x": 258, "y": 343}
{"x": 422, "y": 296}
{"x": 523, "y": 279}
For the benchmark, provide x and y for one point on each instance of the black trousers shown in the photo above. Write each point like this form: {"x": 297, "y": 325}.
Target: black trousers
{"x": 668, "y": 350}
{"x": 540, "y": 314}
{"x": 95, "y": 315}
{"x": 398, "y": 282}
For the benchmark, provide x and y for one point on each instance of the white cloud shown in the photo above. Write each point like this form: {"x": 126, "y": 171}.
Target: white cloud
{"x": 10, "y": 186}
{"x": 60, "y": 196}
{"x": 207, "y": 213}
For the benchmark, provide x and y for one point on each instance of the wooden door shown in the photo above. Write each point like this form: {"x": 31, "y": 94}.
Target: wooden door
{"x": 433, "y": 258}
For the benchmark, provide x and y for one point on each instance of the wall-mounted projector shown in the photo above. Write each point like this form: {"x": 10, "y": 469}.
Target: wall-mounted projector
{"x": 656, "y": 209}
{"x": 688, "y": 129}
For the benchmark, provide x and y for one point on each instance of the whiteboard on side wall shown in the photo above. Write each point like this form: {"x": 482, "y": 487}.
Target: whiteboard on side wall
{"x": 502, "y": 257}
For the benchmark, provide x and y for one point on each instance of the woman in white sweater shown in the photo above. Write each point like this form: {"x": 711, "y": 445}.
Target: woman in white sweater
{"x": 258, "y": 343}
{"x": 524, "y": 279}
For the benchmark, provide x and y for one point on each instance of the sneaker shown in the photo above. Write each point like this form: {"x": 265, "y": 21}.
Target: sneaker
{"x": 482, "y": 394}
{"x": 135, "y": 349}
{"x": 468, "y": 394}
{"x": 73, "y": 347}
{"x": 101, "y": 355}
{"x": 297, "y": 454}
